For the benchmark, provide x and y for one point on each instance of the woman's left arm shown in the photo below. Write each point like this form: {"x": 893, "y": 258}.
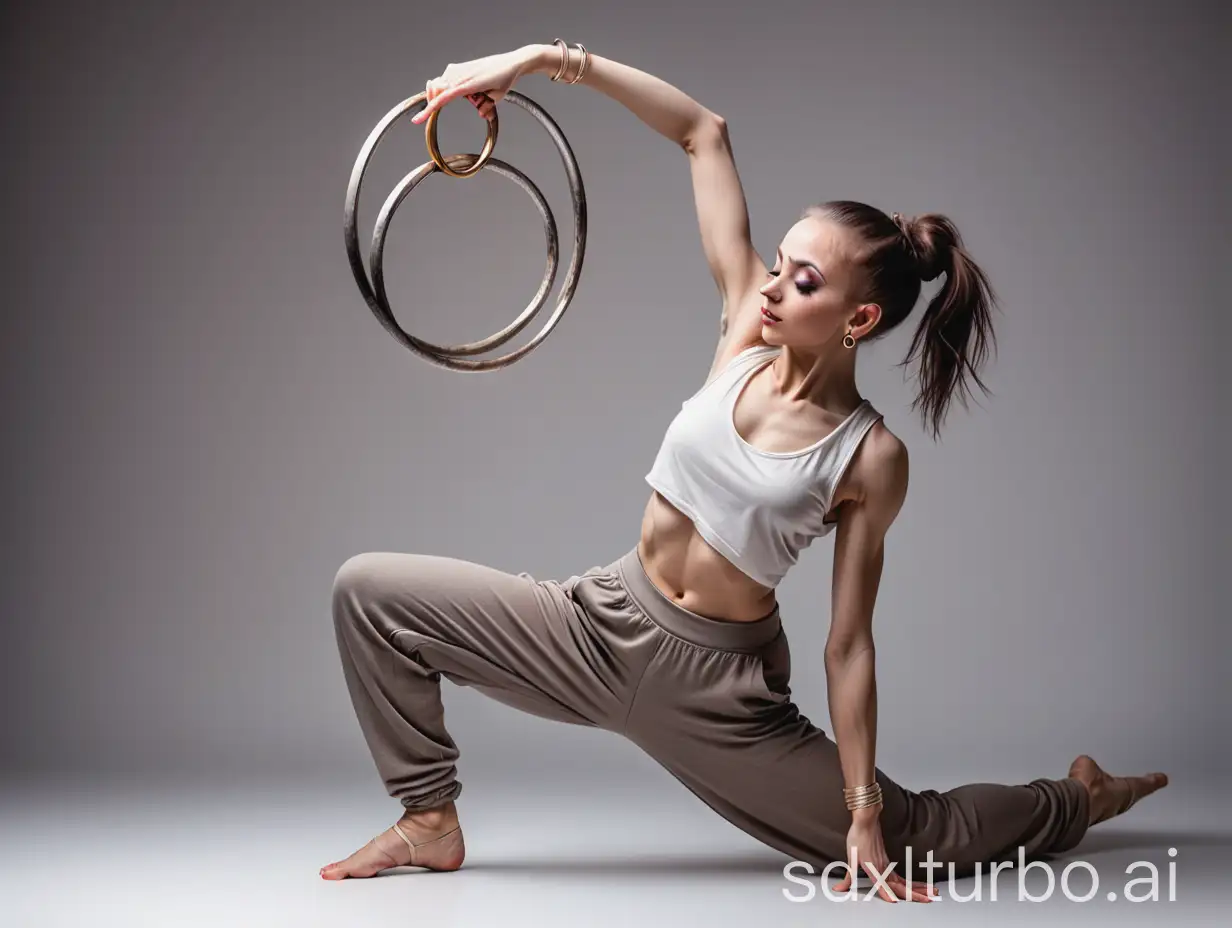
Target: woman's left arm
{"x": 850, "y": 657}
{"x": 859, "y": 553}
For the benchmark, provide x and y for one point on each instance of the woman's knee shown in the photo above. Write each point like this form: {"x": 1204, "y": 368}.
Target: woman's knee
{"x": 357, "y": 575}
{"x": 366, "y": 581}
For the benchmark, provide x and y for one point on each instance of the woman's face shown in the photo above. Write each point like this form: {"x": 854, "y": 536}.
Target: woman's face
{"x": 812, "y": 287}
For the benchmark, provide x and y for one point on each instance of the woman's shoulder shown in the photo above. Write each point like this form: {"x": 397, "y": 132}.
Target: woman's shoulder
{"x": 880, "y": 465}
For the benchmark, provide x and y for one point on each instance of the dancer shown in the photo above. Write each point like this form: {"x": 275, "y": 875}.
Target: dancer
{"x": 677, "y": 644}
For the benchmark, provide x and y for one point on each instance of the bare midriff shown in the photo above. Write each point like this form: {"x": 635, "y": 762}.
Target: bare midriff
{"x": 694, "y": 575}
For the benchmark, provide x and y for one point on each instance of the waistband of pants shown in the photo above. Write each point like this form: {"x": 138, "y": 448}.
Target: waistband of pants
{"x": 723, "y": 634}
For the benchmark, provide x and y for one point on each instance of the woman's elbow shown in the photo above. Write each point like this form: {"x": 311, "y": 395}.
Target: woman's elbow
{"x": 840, "y": 651}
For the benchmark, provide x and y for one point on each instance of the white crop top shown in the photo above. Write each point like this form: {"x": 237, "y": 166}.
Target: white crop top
{"x": 759, "y": 509}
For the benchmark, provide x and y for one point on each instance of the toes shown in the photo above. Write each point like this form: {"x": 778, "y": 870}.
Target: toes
{"x": 1112, "y": 795}
{"x": 1135, "y": 788}
{"x": 1149, "y": 783}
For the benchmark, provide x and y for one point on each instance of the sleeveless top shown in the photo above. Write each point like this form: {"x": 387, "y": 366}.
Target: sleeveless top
{"x": 758, "y": 509}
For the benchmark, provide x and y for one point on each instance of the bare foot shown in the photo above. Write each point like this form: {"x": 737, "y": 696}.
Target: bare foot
{"x": 435, "y": 833}
{"x": 1112, "y": 796}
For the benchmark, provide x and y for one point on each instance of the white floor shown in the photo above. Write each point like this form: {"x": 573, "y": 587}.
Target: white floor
{"x": 546, "y": 854}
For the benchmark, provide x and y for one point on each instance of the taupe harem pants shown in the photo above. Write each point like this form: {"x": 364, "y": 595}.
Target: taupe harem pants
{"x": 709, "y": 700}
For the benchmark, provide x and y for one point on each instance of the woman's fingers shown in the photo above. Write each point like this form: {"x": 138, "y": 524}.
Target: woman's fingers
{"x": 889, "y": 888}
{"x": 437, "y": 94}
{"x": 918, "y": 892}
{"x": 438, "y": 97}
{"x": 883, "y": 891}
{"x": 893, "y": 888}
{"x": 430, "y": 91}
{"x": 483, "y": 103}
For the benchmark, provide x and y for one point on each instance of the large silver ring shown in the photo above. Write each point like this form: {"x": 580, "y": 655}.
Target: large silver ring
{"x": 455, "y": 357}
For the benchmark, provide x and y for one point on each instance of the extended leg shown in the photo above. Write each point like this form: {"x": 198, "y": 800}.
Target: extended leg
{"x": 732, "y": 736}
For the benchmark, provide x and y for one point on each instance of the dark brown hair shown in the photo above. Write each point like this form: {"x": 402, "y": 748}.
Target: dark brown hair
{"x": 898, "y": 255}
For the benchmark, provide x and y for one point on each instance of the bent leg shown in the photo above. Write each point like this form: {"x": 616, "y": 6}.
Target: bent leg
{"x": 404, "y": 620}
{"x": 724, "y": 725}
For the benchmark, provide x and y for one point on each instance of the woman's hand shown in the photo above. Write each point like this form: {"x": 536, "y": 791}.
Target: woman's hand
{"x": 866, "y": 839}
{"x": 484, "y": 82}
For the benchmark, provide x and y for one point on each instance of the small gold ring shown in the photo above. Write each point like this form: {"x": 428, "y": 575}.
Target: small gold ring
{"x": 434, "y": 148}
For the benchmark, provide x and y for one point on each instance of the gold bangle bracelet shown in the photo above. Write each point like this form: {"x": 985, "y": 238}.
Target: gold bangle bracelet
{"x": 861, "y": 790}
{"x": 564, "y": 58}
{"x": 871, "y": 799}
{"x": 861, "y": 797}
{"x": 855, "y": 807}
{"x": 858, "y": 790}
{"x": 582, "y": 66}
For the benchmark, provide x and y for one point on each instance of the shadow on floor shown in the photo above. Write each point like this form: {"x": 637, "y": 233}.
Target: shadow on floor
{"x": 1095, "y": 841}
{"x": 1196, "y": 851}
{"x": 667, "y": 866}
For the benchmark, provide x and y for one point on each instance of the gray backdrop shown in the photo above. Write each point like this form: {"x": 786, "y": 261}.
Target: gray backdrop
{"x": 204, "y": 420}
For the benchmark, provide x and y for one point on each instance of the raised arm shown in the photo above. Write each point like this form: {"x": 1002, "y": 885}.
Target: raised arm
{"x": 721, "y": 209}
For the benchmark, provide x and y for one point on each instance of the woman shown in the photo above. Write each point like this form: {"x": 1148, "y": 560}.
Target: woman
{"x": 677, "y": 645}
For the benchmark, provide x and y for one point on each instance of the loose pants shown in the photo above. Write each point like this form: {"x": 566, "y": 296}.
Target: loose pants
{"x": 709, "y": 700}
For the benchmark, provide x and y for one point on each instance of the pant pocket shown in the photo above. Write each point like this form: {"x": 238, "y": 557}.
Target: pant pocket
{"x": 774, "y": 662}
{"x": 597, "y": 590}
{"x": 568, "y": 584}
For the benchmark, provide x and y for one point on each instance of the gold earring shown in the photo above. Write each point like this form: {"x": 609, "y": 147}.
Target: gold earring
{"x": 848, "y": 341}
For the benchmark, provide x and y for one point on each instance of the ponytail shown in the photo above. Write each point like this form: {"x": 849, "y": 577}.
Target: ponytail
{"x": 955, "y": 333}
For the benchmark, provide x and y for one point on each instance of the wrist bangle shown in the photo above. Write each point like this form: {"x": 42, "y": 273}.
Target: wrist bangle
{"x": 564, "y": 58}
{"x": 860, "y": 797}
{"x": 856, "y": 790}
{"x": 564, "y": 61}
{"x": 582, "y": 66}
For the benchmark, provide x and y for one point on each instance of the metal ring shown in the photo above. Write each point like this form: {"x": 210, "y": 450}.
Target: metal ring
{"x": 448, "y": 356}
{"x": 434, "y": 146}
{"x": 405, "y": 186}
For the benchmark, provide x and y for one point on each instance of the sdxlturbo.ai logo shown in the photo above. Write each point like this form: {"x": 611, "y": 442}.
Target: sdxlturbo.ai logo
{"x": 1140, "y": 889}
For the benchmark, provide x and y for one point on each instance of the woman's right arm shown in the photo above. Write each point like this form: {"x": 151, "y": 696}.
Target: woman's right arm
{"x": 666, "y": 109}
{"x": 721, "y": 208}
